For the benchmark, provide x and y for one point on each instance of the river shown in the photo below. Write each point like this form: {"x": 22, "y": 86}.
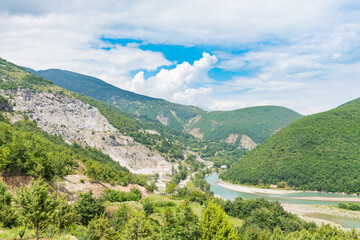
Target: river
{"x": 344, "y": 221}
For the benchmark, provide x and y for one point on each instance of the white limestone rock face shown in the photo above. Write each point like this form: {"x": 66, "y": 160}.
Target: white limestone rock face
{"x": 247, "y": 143}
{"x": 76, "y": 121}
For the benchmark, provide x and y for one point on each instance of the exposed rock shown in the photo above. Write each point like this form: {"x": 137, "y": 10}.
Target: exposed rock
{"x": 232, "y": 138}
{"x": 247, "y": 143}
{"x": 162, "y": 119}
{"x": 76, "y": 121}
{"x": 195, "y": 132}
{"x": 153, "y": 132}
{"x": 193, "y": 121}
{"x": 213, "y": 124}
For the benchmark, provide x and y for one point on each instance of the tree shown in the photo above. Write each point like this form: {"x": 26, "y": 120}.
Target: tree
{"x": 183, "y": 224}
{"x": 99, "y": 228}
{"x": 214, "y": 224}
{"x": 170, "y": 187}
{"x": 120, "y": 217}
{"x": 88, "y": 207}
{"x": 65, "y": 215}
{"x": 148, "y": 207}
{"x": 139, "y": 228}
{"x": 36, "y": 206}
{"x": 7, "y": 213}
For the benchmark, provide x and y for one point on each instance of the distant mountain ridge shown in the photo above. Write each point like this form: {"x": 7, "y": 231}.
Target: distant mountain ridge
{"x": 318, "y": 152}
{"x": 258, "y": 123}
{"x": 245, "y": 127}
{"x": 170, "y": 114}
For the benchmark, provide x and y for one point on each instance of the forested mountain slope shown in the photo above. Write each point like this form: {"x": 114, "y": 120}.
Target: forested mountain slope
{"x": 258, "y": 123}
{"x": 85, "y": 121}
{"x": 318, "y": 152}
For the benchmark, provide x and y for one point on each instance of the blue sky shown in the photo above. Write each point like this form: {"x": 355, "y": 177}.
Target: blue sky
{"x": 219, "y": 55}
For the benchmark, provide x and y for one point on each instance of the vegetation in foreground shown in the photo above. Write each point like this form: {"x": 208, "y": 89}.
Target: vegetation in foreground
{"x": 319, "y": 152}
{"x": 187, "y": 214}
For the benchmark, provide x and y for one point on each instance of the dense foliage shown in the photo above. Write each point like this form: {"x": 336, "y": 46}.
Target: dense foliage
{"x": 350, "y": 206}
{"x": 26, "y": 153}
{"x": 266, "y": 215}
{"x": 88, "y": 207}
{"x": 27, "y": 150}
{"x": 259, "y": 123}
{"x": 12, "y": 78}
{"x": 87, "y": 219}
{"x": 319, "y": 152}
{"x": 119, "y": 196}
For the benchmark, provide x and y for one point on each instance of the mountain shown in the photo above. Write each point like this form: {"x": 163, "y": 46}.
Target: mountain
{"x": 170, "y": 114}
{"x": 85, "y": 121}
{"x": 247, "y": 127}
{"x": 318, "y": 152}
{"x": 141, "y": 145}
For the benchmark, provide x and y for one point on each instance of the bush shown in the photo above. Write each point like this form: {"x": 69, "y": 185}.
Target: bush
{"x": 119, "y": 196}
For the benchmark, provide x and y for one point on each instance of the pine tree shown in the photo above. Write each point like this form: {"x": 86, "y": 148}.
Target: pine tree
{"x": 36, "y": 206}
{"x": 88, "y": 207}
{"x": 183, "y": 224}
{"x": 120, "y": 217}
{"x": 99, "y": 228}
{"x": 7, "y": 213}
{"x": 277, "y": 234}
{"x": 65, "y": 215}
{"x": 214, "y": 224}
{"x": 139, "y": 228}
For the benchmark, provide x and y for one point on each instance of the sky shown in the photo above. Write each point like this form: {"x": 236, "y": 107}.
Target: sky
{"x": 218, "y": 55}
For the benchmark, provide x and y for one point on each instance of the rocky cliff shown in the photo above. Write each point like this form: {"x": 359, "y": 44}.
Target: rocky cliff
{"x": 75, "y": 121}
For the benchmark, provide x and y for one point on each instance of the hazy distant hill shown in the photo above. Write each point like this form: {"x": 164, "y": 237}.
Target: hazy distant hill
{"x": 318, "y": 152}
{"x": 259, "y": 123}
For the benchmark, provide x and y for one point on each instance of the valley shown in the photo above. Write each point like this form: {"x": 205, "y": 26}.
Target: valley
{"x": 311, "y": 206}
{"x": 135, "y": 166}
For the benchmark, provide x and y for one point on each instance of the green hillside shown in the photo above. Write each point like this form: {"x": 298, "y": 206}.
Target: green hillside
{"x": 126, "y": 101}
{"x": 259, "y": 123}
{"x": 319, "y": 152}
{"x": 170, "y": 143}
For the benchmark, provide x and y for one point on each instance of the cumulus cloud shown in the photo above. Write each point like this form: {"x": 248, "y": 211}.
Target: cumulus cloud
{"x": 299, "y": 53}
{"x": 176, "y": 84}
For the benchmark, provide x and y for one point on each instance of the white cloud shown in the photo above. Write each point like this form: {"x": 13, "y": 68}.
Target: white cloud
{"x": 302, "y": 54}
{"x": 175, "y": 84}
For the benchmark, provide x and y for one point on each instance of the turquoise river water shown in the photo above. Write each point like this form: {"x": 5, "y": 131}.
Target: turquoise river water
{"x": 287, "y": 198}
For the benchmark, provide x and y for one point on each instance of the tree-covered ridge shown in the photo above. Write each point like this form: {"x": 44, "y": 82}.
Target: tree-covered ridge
{"x": 259, "y": 123}
{"x": 319, "y": 152}
{"x": 124, "y": 100}
{"x": 11, "y": 76}
{"x": 27, "y": 150}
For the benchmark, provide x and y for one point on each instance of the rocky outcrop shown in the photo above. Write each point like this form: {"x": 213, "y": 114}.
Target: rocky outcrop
{"x": 76, "y": 121}
{"x": 247, "y": 143}
{"x": 232, "y": 138}
{"x": 4, "y": 102}
{"x": 196, "y": 133}
{"x": 5, "y": 106}
{"x": 162, "y": 119}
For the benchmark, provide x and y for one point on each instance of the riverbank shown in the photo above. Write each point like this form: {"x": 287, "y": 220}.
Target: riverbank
{"x": 323, "y": 214}
{"x": 252, "y": 190}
